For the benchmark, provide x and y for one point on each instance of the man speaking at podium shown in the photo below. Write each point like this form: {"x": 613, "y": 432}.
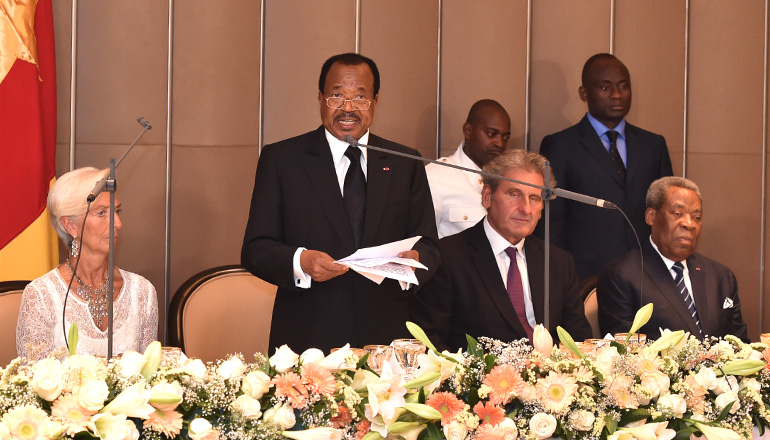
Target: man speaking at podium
{"x": 316, "y": 199}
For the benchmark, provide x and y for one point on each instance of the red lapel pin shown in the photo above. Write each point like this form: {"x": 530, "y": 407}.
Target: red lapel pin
{"x": 386, "y": 169}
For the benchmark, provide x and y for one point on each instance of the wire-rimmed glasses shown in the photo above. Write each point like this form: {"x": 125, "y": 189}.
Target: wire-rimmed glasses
{"x": 338, "y": 102}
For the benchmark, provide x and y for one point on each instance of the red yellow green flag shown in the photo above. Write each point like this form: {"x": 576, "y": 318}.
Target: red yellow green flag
{"x": 27, "y": 138}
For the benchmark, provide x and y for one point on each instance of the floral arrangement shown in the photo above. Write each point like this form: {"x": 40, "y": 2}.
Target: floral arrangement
{"x": 672, "y": 388}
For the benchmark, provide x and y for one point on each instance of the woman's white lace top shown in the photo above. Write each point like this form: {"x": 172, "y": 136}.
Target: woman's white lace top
{"x": 39, "y": 330}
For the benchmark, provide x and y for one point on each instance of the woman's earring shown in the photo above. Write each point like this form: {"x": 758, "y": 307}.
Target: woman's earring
{"x": 75, "y": 248}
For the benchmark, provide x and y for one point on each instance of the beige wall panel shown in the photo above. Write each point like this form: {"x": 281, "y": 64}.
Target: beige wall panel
{"x": 649, "y": 39}
{"x": 401, "y": 36}
{"x": 484, "y": 55}
{"x": 140, "y": 245}
{"x": 730, "y": 231}
{"x": 62, "y": 29}
{"x": 216, "y": 73}
{"x": 210, "y": 207}
{"x": 564, "y": 35}
{"x": 298, "y": 39}
{"x": 122, "y": 54}
{"x": 726, "y": 62}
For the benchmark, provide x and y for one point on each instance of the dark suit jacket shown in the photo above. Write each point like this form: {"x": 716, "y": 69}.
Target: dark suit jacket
{"x": 297, "y": 203}
{"x": 596, "y": 236}
{"x": 468, "y": 296}
{"x": 619, "y": 297}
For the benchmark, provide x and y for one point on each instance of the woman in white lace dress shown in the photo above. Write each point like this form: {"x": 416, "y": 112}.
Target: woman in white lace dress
{"x": 40, "y": 330}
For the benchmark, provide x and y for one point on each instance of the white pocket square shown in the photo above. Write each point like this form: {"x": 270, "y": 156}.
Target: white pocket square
{"x": 728, "y": 304}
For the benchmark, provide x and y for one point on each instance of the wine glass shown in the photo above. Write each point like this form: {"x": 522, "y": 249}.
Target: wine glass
{"x": 406, "y": 351}
{"x": 378, "y": 355}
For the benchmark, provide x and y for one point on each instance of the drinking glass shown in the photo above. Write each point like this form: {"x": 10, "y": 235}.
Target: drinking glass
{"x": 636, "y": 341}
{"x": 406, "y": 351}
{"x": 378, "y": 355}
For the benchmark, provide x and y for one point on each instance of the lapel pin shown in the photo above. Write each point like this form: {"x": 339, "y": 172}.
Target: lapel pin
{"x": 697, "y": 268}
{"x": 386, "y": 169}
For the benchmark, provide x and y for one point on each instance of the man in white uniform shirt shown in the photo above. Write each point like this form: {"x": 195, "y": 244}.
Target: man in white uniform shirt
{"x": 457, "y": 194}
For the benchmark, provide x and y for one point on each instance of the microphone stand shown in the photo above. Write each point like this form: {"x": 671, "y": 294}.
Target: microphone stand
{"x": 111, "y": 186}
{"x": 548, "y": 194}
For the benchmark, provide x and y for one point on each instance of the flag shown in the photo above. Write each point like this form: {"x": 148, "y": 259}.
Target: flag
{"x": 28, "y": 246}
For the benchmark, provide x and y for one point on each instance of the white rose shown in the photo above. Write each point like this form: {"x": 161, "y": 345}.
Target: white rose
{"x": 455, "y": 430}
{"x": 47, "y": 381}
{"x": 542, "y": 425}
{"x": 92, "y": 394}
{"x": 131, "y": 363}
{"x": 725, "y": 399}
{"x": 256, "y": 384}
{"x": 281, "y": 416}
{"x": 200, "y": 428}
{"x": 605, "y": 360}
{"x": 756, "y": 355}
{"x": 508, "y": 429}
{"x": 751, "y": 383}
{"x": 51, "y": 429}
{"x": 582, "y": 420}
{"x": 311, "y": 356}
{"x": 706, "y": 378}
{"x": 725, "y": 384}
{"x": 284, "y": 359}
{"x": 528, "y": 393}
{"x": 248, "y": 407}
{"x": 650, "y": 386}
{"x": 232, "y": 368}
{"x": 674, "y": 403}
{"x": 195, "y": 368}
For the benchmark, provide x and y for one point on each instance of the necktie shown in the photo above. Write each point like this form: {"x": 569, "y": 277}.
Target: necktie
{"x": 612, "y": 135}
{"x": 686, "y": 295}
{"x": 516, "y": 291}
{"x": 354, "y": 193}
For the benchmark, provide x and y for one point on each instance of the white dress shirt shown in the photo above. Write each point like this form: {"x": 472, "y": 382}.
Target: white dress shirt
{"x": 669, "y": 264}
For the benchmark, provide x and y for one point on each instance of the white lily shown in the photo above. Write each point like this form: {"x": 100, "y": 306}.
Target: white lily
{"x": 314, "y": 434}
{"x": 132, "y": 402}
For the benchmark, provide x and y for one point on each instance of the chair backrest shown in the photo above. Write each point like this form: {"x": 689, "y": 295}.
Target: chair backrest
{"x": 10, "y": 301}
{"x": 590, "y": 304}
{"x": 221, "y": 311}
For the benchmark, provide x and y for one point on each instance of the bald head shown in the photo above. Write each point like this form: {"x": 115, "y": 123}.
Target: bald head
{"x": 486, "y": 131}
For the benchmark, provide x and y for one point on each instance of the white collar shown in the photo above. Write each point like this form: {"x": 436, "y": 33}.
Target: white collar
{"x": 667, "y": 261}
{"x": 499, "y": 243}
{"x": 339, "y": 147}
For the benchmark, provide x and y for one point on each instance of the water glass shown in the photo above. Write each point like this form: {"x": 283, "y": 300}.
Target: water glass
{"x": 378, "y": 355}
{"x": 406, "y": 351}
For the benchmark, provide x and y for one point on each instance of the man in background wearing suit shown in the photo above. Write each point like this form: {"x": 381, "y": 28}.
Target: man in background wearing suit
{"x": 457, "y": 194}
{"x": 317, "y": 199}
{"x": 491, "y": 281}
{"x": 688, "y": 291}
{"x": 605, "y": 157}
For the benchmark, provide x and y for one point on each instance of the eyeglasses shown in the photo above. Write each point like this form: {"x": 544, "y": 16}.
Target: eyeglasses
{"x": 337, "y": 102}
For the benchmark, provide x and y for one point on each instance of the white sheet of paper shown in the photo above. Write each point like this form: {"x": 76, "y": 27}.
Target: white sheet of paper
{"x": 379, "y": 262}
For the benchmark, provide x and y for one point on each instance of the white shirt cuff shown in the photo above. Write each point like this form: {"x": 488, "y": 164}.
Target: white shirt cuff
{"x": 301, "y": 279}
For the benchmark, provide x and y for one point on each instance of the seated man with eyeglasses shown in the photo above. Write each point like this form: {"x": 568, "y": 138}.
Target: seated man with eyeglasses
{"x": 317, "y": 199}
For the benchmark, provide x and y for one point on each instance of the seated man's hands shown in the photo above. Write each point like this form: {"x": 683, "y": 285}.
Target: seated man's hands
{"x": 320, "y": 265}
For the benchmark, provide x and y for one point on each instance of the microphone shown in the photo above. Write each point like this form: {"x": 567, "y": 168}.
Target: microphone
{"x": 98, "y": 188}
{"x": 144, "y": 123}
{"x": 548, "y": 192}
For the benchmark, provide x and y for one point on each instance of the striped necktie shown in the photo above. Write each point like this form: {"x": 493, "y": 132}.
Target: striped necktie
{"x": 686, "y": 295}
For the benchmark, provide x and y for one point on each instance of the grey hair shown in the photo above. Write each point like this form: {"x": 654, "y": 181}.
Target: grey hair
{"x": 656, "y": 194}
{"x": 67, "y": 197}
{"x": 515, "y": 159}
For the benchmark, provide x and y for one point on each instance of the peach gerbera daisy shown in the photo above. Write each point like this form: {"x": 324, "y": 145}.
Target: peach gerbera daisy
{"x": 318, "y": 379}
{"x": 73, "y": 417}
{"x": 489, "y": 413}
{"x": 557, "y": 391}
{"x": 649, "y": 362}
{"x": 620, "y": 390}
{"x": 447, "y": 404}
{"x": 489, "y": 432}
{"x": 290, "y": 385}
{"x": 26, "y": 422}
{"x": 167, "y": 422}
{"x": 505, "y": 382}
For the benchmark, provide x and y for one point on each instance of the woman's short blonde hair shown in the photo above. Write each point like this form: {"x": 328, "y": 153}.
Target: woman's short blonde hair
{"x": 67, "y": 197}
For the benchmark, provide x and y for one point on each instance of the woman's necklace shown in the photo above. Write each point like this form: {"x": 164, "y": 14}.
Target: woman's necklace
{"x": 95, "y": 297}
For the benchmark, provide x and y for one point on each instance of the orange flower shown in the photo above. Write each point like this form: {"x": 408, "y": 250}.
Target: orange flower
{"x": 342, "y": 419}
{"x": 505, "y": 383}
{"x": 489, "y": 413}
{"x": 167, "y": 422}
{"x": 290, "y": 385}
{"x": 447, "y": 404}
{"x": 362, "y": 429}
{"x": 318, "y": 379}
{"x": 489, "y": 432}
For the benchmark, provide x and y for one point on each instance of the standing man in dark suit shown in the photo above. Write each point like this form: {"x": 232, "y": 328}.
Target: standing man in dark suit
{"x": 317, "y": 199}
{"x": 605, "y": 157}
{"x": 491, "y": 281}
{"x": 688, "y": 291}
